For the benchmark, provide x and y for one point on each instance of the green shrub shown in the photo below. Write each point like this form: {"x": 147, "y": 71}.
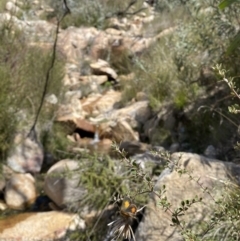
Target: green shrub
{"x": 176, "y": 70}
{"x": 92, "y": 13}
{"x": 226, "y": 217}
{"x": 2, "y": 5}
{"x": 23, "y": 70}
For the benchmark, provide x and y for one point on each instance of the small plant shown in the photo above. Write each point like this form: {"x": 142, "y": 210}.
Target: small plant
{"x": 235, "y": 109}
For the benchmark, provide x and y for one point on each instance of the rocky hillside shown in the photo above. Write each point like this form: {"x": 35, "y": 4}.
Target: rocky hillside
{"x": 112, "y": 108}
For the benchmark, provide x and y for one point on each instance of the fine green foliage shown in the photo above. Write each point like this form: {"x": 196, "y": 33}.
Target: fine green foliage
{"x": 200, "y": 39}
{"x": 54, "y": 141}
{"x": 156, "y": 80}
{"x": 22, "y": 77}
{"x": 101, "y": 180}
{"x": 93, "y": 13}
{"x": 226, "y": 3}
{"x": 225, "y": 220}
{"x": 176, "y": 69}
{"x": 105, "y": 179}
{"x": 168, "y": 71}
{"x": 2, "y": 5}
{"x": 236, "y": 40}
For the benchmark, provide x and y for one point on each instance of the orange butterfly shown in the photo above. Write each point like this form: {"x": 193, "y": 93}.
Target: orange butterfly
{"x": 128, "y": 209}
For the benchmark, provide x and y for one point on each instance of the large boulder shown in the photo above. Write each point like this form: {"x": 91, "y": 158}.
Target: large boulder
{"x": 62, "y": 184}
{"x": 211, "y": 173}
{"x": 26, "y": 155}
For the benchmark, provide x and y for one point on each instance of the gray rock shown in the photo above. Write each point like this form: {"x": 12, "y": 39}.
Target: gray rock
{"x": 210, "y": 152}
{"x": 138, "y": 111}
{"x": 26, "y": 155}
{"x": 213, "y": 174}
{"x": 62, "y": 184}
{"x": 174, "y": 147}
